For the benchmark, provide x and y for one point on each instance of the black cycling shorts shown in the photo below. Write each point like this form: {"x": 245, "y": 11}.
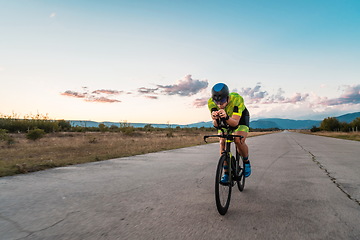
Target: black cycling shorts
{"x": 245, "y": 118}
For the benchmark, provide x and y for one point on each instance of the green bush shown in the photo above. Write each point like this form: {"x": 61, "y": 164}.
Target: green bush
{"x": 345, "y": 127}
{"x": 148, "y": 128}
{"x": 330, "y": 124}
{"x": 128, "y": 131}
{"x": 103, "y": 127}
{"x": 64, "y": 125}
{"x": 114, "y": 128}
{"x": 355, "y": 124}
{"x": 35, "y": 134}
{"x": 14, "y": 123}
{"x": 4, "y": 136}
{"x": 315, "y": 129}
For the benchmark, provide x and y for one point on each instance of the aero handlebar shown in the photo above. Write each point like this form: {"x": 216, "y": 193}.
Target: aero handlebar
{"x": 221, "y": 125}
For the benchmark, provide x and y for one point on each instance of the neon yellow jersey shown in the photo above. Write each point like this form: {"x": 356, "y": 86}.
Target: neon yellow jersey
{"x": 235, "y": 106}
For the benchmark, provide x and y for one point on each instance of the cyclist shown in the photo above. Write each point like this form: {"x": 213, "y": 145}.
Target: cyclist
{"x": 231, "y": 108}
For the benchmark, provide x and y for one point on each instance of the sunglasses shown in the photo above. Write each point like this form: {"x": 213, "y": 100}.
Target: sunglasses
{"x": 221, "y": 101}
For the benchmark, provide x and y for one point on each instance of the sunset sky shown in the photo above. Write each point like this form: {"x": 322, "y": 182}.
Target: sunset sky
{"x": 155, "y": 61}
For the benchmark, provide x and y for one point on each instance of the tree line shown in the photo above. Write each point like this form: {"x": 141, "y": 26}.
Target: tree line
{"x": 333, "y": 124}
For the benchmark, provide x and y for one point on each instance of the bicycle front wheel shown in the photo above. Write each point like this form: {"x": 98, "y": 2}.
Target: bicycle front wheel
{"x": 222, "y": 191}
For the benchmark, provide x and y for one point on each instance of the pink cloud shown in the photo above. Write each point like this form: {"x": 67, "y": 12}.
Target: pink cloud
{"x": 200, "y": 102}
{"x": 351, "y": 95}
{"x": 144, "y": 90}
{"x": 184, "y": 87}
{"x": 94, "y": 96}
{"x": 102, "y": 100}
{"x": 73, "y": 94}
{"x": 298, "y": 97}
{"x": 152, "y": 97}
{"x": 110, "y": 92}
{"x": 256, "y": 95}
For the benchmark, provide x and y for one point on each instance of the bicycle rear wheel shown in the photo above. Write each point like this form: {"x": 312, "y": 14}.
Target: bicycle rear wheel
{"x": 240, "y": 180}
{"x": 222, "y": 191}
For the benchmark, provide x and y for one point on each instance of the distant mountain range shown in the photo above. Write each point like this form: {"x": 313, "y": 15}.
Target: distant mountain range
{"x": 256, "y": 124}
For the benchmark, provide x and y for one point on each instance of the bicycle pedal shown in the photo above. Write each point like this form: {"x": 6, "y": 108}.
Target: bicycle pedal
{"x": 224, "y": 184}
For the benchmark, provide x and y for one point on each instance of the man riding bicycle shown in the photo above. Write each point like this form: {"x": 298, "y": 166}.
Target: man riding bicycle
{"x": 230, "y": 107}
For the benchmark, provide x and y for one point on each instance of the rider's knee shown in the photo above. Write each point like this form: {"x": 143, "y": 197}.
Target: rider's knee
{"x": 238, "y": 141}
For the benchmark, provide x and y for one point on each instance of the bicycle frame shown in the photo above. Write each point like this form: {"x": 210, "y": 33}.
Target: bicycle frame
{"x": 235, "y": 172}
{"x": 226, "y": 133}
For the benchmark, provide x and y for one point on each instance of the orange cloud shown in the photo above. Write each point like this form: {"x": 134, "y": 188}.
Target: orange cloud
{"x": 94, "y": 96}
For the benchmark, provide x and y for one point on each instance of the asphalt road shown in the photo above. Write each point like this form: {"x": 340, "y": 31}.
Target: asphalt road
{"x": 302, "y": 187}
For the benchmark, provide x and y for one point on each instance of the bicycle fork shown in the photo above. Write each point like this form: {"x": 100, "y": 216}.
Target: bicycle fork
{"x": 233, "y": 164}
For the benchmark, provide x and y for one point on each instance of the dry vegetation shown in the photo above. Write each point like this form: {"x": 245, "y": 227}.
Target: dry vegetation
{"x": 343, "y": 135}
{"x": 62, "y": 149}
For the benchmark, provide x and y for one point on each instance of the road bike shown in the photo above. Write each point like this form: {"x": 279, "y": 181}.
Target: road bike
{"x": 235, "y": 171}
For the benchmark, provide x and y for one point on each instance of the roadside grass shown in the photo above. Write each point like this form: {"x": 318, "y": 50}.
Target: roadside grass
{"x": 355, "y": 136}
{"x": 69, "y": 148}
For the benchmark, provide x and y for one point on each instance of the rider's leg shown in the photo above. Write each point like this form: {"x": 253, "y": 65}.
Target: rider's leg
{"x": 222, "y": 145}
{"x": 222, "y": 149}
{"x": 243, "y": 130}
{"x": 225, "y": 177}
{"x": 242, "y": 148}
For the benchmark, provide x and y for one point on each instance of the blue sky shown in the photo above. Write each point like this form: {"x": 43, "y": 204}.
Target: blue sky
{"x": 156, "y": 61}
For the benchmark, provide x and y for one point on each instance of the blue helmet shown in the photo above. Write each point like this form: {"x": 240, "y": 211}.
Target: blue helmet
{"x": 220, "y": 93}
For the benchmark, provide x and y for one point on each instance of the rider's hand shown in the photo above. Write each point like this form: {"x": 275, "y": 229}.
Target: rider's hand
{"x": 215, "y": 115}
{"x": 222, "y": 113}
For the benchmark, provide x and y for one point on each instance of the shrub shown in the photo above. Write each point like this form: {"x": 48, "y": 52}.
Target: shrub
{"x": 113, "y": 128}
{"x": 103, "y": 127}
{"x": 148, "y": 127}
{"x": 35, "y": 134}
{"x": 128, "y": 131}
{"x": 355, "y": 124}
{"x": 93, "y": 140}
{"x": 16, "y": 124}
{"x": 64, "y": 125}
{"x": 78, "y": 129}
{"x": 315, "y": 129}
{"x": 345, "y": 127}
{"x": 170, "y": 133}
{"x": 330, "y": 124}
{"x": 4, "y": 136}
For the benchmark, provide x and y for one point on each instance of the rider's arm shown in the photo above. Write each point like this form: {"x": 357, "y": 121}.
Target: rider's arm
{"x": 233, "y": 121}
{"x": 215, "y": 123}
{"x": 214, "y": 116}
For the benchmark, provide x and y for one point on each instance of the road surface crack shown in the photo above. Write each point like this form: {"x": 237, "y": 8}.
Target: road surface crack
{"x": 52, "y": 225}
{"x": 16, "y": 224}
{"x": 199, "y": 182}
{"x": 333, "y": 179}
